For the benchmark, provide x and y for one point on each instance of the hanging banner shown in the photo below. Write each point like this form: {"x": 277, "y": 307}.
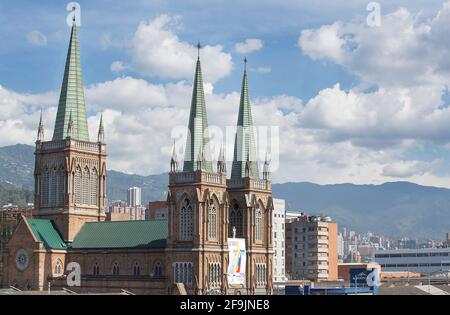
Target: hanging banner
{"x": 237, "y": 261}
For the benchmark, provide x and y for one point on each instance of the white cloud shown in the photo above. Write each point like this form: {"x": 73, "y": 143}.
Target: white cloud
{"x": 404, "y": 51}
{"x": 249, "y": 46}
{"x": 157, "y": 51}
{"x": 405, "y": 169}
{"x": 118, "y": 66}
{"x": 340, "y": 135}
{"x": 36, "y": 38}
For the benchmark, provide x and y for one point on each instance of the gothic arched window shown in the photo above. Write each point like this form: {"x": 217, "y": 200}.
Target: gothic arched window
{"x": 96, "y": 269}
{"x": 85, "y": 186}
{"x": 116, "y": 269}
{"x": 258, "y": 224}
{"x": 136, "y": 269}
{"x": 212, "y": 220}
{"x": 60, "y": 185}
{"x": 58, "y": 268}
{"x": 77, "y": 186}
{"x": 236, "y": 220}
{"x": 158, "y": 270}
{"x": 94, "y": 188}
{"x": 45, "y": 179}
{"x": 186, "y": 221}
{"x": 52, "y": 187}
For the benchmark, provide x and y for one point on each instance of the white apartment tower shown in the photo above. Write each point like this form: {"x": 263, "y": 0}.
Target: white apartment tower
{"x": 134, "y": 197}
{"x": 278, "y": 231}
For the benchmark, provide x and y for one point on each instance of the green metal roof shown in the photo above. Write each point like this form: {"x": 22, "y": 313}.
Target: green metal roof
{"x": 122, "y": 234}
{"x": 198, "y": 139}
{"x": 72, "y": 96}
{"x": 245, "y": 146}
{"x": 46, "y": 231}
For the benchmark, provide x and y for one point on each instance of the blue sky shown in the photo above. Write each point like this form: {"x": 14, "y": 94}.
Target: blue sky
{"x": 366, "y": 115}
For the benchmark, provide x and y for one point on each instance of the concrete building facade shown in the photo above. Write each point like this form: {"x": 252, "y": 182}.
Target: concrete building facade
{"x": 134, "y": 196}
{"x": 311, "y": 248}
{"x": 279, "y": 239}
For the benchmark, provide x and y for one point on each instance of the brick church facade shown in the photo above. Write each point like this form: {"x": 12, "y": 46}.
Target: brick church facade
{"x": 205, "y": 209}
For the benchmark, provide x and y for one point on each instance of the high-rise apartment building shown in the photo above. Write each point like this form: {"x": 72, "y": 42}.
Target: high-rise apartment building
{"x": 311, "y": 248}
{"x": 134, "y": 197}
{"x": 278, "y": 231}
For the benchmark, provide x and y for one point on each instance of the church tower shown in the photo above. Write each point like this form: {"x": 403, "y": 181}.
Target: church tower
{"x": 197, "y": 251}
{"x": 70, "y": 170}
{"x": 250, "y": 200}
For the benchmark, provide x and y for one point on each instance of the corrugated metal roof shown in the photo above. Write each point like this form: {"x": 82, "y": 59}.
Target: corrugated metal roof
{"x": 123, "y": 234}
{"x": 46, "y": 232}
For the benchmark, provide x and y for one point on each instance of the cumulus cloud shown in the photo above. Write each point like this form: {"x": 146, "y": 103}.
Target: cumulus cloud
{"x": 249, "y": 46}
{"x": 36, "y": 38}
{"x": 118, "y": 66}
{"x": 405, "y": 169}
{"x": 403, "y": 51}
{"x": 339, "y": 135}
{"x": 157, "y": 51}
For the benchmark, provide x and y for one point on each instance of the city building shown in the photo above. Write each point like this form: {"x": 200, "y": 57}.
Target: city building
{"x": 344, "y": 269}
{"x": 123, "y": 212}
{"x": 157, "y": 210}
{"x": 311, "y": 248}
{"x": 189, "y": 249}
{"x": 447, "y": 240}
{"x": 134, "y": 197}
{"x": 278, "y": 230}
{"x": 341, "y": 245}
{"x": 426, "y": 260}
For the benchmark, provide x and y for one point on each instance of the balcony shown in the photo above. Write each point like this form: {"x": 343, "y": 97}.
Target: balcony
{"x": 197, "y": 177}
{"x": 93, "y": 147}
{"x": 249, "y": 183}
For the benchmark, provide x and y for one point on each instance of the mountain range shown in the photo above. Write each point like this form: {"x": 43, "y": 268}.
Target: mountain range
{"x": 398, "y": 209}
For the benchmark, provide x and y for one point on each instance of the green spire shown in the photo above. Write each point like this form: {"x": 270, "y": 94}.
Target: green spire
{"x": 245, "y": 163}
{"x": 197, "y": 144}
{"x": 72, "y": 96}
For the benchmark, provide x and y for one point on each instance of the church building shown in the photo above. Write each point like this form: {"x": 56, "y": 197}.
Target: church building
{"x": 205, "y": 210}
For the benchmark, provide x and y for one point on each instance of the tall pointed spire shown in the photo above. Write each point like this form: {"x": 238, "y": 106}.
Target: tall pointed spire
{"x": 40, "y": 133}
{"x": 245, "y": 161}
{"x": 101, "y": 131}
{"x": 221, "y": 163}
{"x": 174, "y": 159}
{"x": 72, "y": 95}
{"x": 197, "y": 144}
{"x": 266, "y": 169}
